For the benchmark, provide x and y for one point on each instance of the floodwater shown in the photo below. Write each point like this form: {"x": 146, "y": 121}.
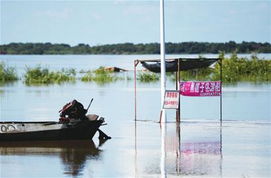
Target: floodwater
{"x": 198, "y": 147}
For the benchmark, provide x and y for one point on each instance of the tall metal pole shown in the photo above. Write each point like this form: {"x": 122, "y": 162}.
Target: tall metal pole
{"x": 162, "y": 56}
{"x": 163, "y": 89}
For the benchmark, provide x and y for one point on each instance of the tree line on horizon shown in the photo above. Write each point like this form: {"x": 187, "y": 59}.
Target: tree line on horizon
{"x": 130, "y": 48}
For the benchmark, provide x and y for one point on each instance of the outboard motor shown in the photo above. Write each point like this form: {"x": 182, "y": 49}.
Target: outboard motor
{"x": 73, "y": 110}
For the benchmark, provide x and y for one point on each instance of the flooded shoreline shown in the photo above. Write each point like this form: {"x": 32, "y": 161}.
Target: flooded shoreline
{"x": 198, "y": 147}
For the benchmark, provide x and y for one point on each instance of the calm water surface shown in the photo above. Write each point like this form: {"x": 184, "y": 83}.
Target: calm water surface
{"x": 198, "y": 147}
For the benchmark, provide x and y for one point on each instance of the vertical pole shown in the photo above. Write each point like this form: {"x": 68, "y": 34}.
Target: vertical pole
{"x": 178, "y": 147}
{"x": 221, "y": 119}
{"x": 178, "y": 88}
{"x": 163, "y": 89}
{"x": 136, "y": 169}
{"x": 162, "y": 56}
{"x": 135, "y": 64}
{"x": 176, "y": 84}
{"x": 177, "y": 110}
{"x": 221, "y": 114}
{"x": 163, "y": 151}
{"x": 221, "y": 155}
{"x": 221, "y": 83}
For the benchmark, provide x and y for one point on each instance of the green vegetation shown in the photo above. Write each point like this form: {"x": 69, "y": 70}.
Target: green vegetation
{"x": 88, "y": 77}
{"x": 234, "y": 69}
{"x": 7, "y": 74}
{"x": 38, "y": 75}
{"x": 130, "y": 48}
{"x": 148, "y": 77}
{"x": 197, "y": 74}
{"x": 242, "y": 69}
{"x": 100, "y": 76}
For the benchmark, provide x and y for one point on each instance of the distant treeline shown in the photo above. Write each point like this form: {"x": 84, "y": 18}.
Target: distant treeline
{"x": 130, "y": 48}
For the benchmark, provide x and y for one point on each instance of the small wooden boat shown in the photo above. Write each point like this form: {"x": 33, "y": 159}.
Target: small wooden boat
{"x": 73, "y": 125}
{"x": 19, "y": 131}
{"x": 183, "y": 63}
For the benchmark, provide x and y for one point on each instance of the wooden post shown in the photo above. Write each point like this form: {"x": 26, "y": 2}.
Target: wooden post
{"x": 177, "y": 110}
{"x": 178, "y": 147}
{"x": 221, "y": 111}
{"x": 178, "y": 113}
{"x": 221, "y": 83}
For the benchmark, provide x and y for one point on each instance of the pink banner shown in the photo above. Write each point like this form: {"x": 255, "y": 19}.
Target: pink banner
{"x": 200, "y": 88}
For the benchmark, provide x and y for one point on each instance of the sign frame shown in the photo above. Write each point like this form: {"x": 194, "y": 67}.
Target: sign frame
{"x": 171, "y": 99}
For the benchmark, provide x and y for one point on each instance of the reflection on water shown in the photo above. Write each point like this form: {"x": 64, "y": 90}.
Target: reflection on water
{"x": 199, "y": 157}
{"x": 194, "y": 151}
{"x": 73, "y": 154}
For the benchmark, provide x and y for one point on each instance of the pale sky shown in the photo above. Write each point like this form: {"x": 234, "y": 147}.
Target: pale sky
{"x": 137, "y": 21}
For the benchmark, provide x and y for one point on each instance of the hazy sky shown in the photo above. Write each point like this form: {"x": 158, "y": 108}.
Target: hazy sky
{"x": 118, "y": 21}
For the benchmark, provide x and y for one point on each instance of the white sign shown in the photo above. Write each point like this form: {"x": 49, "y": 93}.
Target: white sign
{"x": 171, "y": 100}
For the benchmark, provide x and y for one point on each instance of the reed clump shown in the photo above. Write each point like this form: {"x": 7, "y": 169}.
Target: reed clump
{"x": 100, "y": 75}
{"x": 88, "y": 77}
{"x": 147, "y": 77}
{"x": 7, "y": 74}
{"x": 194, "y": 74}
{"x": 39, "y": 75}
{"x": 197, "y": 74}
{"x": 236, "y": 69}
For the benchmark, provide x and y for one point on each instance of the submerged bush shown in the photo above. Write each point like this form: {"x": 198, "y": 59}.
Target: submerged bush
{"x": 40, "y": 75}
{"x": 195, "y": 74}
{"x": 100, "y": 75}
{"x": 103, "y": 76}
{"x": 7, "y": 74}
{"x": 147, "y": 77}
{"x": 236, "y": 69}
{"x": 87, "y": 77}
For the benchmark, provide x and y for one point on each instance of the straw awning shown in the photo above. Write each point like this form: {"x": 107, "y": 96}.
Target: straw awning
{"x": 181, "y": 64}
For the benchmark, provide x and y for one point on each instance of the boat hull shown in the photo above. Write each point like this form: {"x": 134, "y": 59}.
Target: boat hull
{"x": 49, "y": 131}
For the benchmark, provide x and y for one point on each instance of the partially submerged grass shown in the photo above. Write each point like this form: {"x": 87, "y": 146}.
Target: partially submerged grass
{"x": 7, "y": 74}
{"x": 39, "y": 75}
{"x": 88, "y": 77}
{"x": 234, "y": 70}
{"x": 195, "y": 74}
{"x": 100, "y": 76}
{"x": 148, "y": 77}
